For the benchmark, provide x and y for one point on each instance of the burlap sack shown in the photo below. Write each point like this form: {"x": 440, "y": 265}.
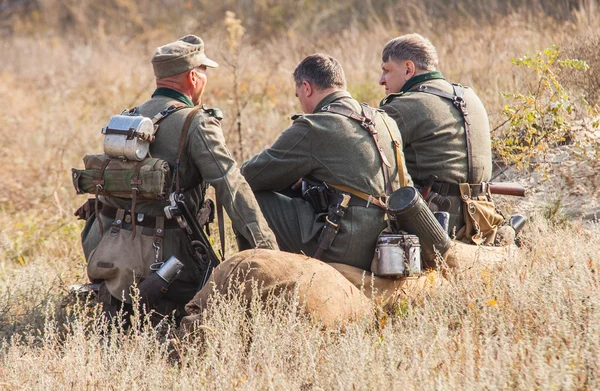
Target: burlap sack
{"x": 323, "y": 293}
{"x": 387, "y": 291}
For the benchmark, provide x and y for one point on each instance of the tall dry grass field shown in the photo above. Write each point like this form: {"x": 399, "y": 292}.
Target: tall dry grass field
{"x": 66, "y": 67}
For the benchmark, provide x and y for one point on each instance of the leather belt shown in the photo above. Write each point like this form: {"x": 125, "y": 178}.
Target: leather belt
{"x": 334, "y": 198}
{"x": 452, "y": 189}
{"x": 146, "y": 221}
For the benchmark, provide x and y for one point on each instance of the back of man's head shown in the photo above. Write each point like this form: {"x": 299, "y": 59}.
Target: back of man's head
{"x": 321, "y": 71}
{"x": 412, "y": 47}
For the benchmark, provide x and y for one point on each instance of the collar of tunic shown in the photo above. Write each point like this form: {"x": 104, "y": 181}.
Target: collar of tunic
{"x": 411, "y": 83}
{"x": 334, "y": 96}
{"x": 173, "y": 94}
{"x": 420, "y": 79}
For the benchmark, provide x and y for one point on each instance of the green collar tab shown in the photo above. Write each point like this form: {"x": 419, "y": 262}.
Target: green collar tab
{"x": 174, "y": 94}
{"x": 420, "y": 79}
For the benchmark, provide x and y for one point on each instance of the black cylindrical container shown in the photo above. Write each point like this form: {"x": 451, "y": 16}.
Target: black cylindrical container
{"x": 156, "y": 284}
{"x": 413, "y": 216}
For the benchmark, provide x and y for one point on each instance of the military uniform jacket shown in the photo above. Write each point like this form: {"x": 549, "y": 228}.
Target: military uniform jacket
{"x": 433, "y": 132}
{"x": 328, "y": 147}
{"x": 205, "y": 161}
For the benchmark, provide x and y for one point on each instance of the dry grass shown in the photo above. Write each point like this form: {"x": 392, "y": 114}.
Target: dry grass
{"x": 532, "y": 324}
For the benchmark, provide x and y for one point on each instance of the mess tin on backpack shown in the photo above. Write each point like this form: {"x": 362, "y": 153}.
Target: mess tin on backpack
{"x": 128, "y": 137}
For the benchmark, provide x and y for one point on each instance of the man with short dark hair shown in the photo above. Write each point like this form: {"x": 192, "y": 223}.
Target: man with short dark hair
{"x": 444, "y": 127}
{"x": 334, "y": 154}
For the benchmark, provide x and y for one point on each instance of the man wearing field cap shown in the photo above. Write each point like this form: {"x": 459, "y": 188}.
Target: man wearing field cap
{"x": 445, "y": 128}
{"x": 181, "y": 77}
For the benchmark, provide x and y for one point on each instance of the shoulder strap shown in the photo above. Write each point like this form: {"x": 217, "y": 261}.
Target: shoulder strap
{"x": 99, "y": 182}
{"x": 366, "y": 122}
{"x": 399, "y": 160}
{"x": 175, "y": 186}
{"x": 459, "y": 102}
{"x": 162, "y": 115}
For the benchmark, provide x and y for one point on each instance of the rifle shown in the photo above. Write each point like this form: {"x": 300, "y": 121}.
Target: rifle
{"x": 203, "y": 253}
{"x": 511, "y": 189}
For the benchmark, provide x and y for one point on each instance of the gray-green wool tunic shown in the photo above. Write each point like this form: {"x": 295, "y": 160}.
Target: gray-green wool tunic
{"x": 205, "y": 161}
{"x": 433, "y": 132}
{"x": 433, "y": 136}
{"x": 330, "y": 148}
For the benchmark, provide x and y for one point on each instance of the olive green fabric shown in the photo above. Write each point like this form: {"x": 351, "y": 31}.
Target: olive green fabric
{"x": 330, "y": 148}
{"x": 433, "y": 136}
{"x": 154, "y": 175}
{"x": 205, "y": 161}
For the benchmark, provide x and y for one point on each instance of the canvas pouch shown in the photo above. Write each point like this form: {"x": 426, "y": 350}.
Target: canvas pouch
{"x": 122, "y": 259}
{"x": 482, "y": 219}
{"x": 115, "y": 177}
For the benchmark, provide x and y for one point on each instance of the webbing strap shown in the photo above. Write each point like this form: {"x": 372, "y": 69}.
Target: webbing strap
{"x": 364, "y": 196}
{"x": 366, "y": 122}
{"x": 164, "y": 114}
{"x": 182, "y": 139}
{"x": 399, "y": 159}
{"x": 135, "y": 182}
{"x": 221, "y": 222}
{"x": 99, "y": 182}
{"x": 159, "y": 234}
{"x": 459, "y": 102}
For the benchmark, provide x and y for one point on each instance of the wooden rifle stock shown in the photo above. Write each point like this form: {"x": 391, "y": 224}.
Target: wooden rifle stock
{"x": 511, "y": 189}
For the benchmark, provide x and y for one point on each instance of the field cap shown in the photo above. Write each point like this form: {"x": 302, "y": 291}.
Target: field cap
{"x": 180, "y": 56}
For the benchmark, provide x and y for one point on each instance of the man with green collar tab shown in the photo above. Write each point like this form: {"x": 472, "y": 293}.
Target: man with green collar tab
{"x": 329, "y": 147}
{"x": 181, "y": 77}
{"x": 444, "y": 127}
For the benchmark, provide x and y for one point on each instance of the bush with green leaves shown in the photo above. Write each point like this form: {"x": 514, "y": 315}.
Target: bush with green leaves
{"x": 545, "y": 116}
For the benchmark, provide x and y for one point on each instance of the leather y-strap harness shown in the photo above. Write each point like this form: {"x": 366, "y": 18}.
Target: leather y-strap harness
{"x": 459, "y": 102}
{"x": 366, "y": 122}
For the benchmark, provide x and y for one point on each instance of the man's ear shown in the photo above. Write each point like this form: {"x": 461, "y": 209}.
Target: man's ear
{"x": 410, "y": 69}
{"x": 192, "y": 78}
{"x": 308, "y": 87}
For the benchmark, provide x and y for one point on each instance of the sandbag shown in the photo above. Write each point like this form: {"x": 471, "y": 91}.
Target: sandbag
{"x": 329, "y": 298}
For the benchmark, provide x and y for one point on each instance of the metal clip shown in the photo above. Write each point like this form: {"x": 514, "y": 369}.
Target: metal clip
{"x": 156, "y": 250}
